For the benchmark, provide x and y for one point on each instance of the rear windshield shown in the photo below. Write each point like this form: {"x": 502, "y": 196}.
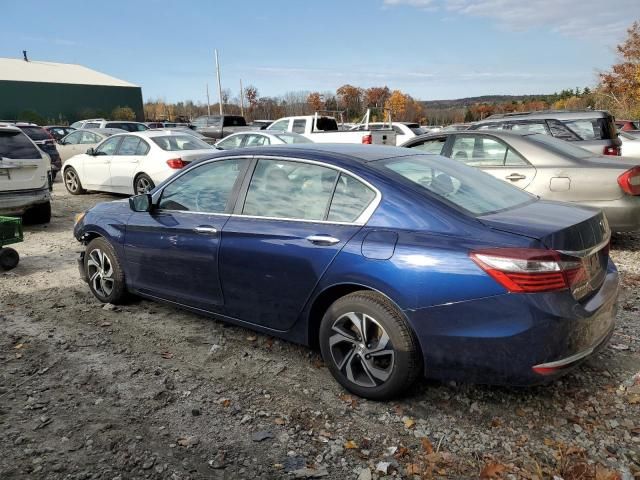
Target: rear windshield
{"x": 593, "y": 128}
{"x": 560, "y": 146}
{"x": 468, "y": 188}
{"x": 293, "y": 138}
{"x": 16, "y": 145}
{"x": 36, "y": 133}
{"x": 234, "y": 121}
{"x": 174, "y": 143}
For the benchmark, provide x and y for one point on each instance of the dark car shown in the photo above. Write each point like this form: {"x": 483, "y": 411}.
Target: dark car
{"x": 58, "y": 131}
{"x": 393, "y": 262}
{"x": 219, "y": 126}
{"x": 45, "y": 141}
{"x": 593, "y": 130}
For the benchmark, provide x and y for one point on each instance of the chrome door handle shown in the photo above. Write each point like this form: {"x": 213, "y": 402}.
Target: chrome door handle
{"x": 515, "y": 176}
{"x": 323, "y": 239}
{"x": 209, "y": 230}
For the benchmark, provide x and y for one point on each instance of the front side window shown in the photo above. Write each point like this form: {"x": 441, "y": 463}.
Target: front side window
{"x": 288, "y": 189}
{"x": 15, "y": 144}
{"x": 432, "y": 146}
{"x": 231, "y": 142}
{"x": 298, "y": 125}
{"x": 350, "y": 199}
{"x": 468, "y": 188}
{"x": 256, "y": 141}
{"x": 109, "y": 146}
{"x": 73, "y": 138}
{"x": 478, "y": 151}
{"x": 89, "y": 138}
{"x": 129, "y": 145}
{"x": 206, "y": 188}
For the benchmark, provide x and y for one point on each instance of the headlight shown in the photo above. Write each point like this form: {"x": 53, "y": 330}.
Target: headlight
{"x": 78, "y": 217}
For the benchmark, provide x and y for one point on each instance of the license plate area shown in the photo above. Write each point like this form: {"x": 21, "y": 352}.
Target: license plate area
{"x": 594, "y": 267}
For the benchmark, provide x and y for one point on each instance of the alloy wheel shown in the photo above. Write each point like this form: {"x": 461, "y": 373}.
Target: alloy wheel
{"x": 362, "y": 349}
{"x": 100, "y": 272}
{"x": 143, "y": 185}
{"x": 71, "y": 180}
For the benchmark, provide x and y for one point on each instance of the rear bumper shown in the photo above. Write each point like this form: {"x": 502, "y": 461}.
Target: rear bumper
{"x": 502, "y": 339}
{"x": 18, "y": 202}
{"x": 622, "y": 214}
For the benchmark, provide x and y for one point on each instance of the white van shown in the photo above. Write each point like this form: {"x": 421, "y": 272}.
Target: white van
{"x": 25, "y": 177}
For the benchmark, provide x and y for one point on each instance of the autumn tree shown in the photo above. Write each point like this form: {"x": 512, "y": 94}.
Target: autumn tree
{"x": 315, "y": 101}
{"x": 350, "y": 98}
{"x": 621, "y": 85}
{"x": 397, "y": 104}
{"x": 376, "y": 96}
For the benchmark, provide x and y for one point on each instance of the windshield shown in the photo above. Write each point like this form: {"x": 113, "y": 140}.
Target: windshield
{"x": 560, "y": 146}
{"x": 293, "y": 138}
{"x": 468, "y": 188}
{"x": 173, "y": 143}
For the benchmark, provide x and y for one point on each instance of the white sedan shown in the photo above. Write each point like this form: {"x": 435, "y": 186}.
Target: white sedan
{"x": 256, "y": 138}
{"x": 630, "y": 145}
{"x": 132, "y": 163}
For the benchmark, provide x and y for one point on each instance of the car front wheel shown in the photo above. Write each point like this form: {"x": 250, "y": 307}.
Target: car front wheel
{"x": 143, "y": 184}
{"x": 104, "y": 273}
{"x": 368, "y": 346}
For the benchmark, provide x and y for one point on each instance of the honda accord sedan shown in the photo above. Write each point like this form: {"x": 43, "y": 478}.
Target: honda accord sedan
{"x": 394, "y": 263}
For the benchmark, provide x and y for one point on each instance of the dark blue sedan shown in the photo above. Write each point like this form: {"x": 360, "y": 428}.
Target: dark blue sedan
{"x": 393, "y": 263}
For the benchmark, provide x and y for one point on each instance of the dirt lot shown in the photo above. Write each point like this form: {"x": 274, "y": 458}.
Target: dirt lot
{"x": 149, "y": 391}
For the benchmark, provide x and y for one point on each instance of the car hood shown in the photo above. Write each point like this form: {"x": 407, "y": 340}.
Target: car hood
{"x": 559, "y": 226}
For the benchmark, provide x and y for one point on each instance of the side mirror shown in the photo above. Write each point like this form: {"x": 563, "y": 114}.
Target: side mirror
{"x": 141, "y": 203}
{"x": 91, "y": 151}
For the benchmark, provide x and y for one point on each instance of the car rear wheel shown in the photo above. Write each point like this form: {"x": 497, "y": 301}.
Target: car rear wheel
{"x": 368, "y": 346}
{"x": 143, "y": 184}
{"x": 72, "y": 181}
{"x": 104, "y": 273}
{"x": 9, "y": 258}
{"x": 38, "y": 214}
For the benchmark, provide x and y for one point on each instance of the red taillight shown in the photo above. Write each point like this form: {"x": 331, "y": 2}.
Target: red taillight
{"x": 176, "y": 163}
{"x": 629, "y": 181}
{"x": 527, "y": 270}
{"x": 367, "y": 139}
{"x": 612, "y": 150}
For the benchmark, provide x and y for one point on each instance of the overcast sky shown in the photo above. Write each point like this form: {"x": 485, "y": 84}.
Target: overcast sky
{"x": 431, "y": 49}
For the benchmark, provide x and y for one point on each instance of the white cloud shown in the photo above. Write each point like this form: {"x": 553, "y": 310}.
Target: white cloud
{"x": 577, "y": 18}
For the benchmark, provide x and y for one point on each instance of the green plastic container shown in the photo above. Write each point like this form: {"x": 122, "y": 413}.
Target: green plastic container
{"x": 10, "y": 230}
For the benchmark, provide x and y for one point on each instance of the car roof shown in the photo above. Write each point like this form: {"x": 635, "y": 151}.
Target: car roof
{"x": 154, "y": 132}
{"x": 351, "y": 152}
{"x": 544, "y": 114}
{"x": 490, "y": 132}
{"x": 8, "y": 127}
{"x": 104, "y": 131}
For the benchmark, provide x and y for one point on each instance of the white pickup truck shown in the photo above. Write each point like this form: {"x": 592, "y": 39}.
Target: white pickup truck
{"x": 323, "y": 129}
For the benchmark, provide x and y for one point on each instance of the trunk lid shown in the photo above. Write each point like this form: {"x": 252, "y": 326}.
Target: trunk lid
{"x": 577, "y": 232}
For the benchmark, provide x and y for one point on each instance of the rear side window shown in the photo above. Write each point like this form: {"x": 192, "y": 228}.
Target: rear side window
{"x": 433, "y": 146}
{"x": 592, "y": 128}
{"x": 350, "y": 199}
{"x": 93, "y": 125}
{"x": 128, "y": 146}
{"x": 15, "y": 144}
{"x": 234, "y": 121}
{"x": 560, "y": 130}
{"x": 280, "y": 125}
{"x": 36, "y": 133}
{"x": 468, "y": 188}
{"x": 530, "y": 127}
{"x": 231, "y": 142}
{"x": 480, "y": 151}
{"x": 298, "y": 125}
{"x": 293, "y": 138}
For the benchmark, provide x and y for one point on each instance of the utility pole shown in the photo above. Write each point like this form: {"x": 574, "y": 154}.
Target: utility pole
{"x": 219, "y": 84}
{"x": 241, "y": 99}
{"x": 208, "y": 102}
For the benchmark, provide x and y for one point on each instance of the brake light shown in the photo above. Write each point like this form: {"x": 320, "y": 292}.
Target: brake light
{"x": 612, "y": 150}
{"x": 176, "y": 163}
{"x": 367, "y": 139}
{"x": 629, "y": 181}
{"x": 528, "y": 270}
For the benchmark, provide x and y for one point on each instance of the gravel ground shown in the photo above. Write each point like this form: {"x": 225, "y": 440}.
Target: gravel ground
{"x": 150, "y": 391}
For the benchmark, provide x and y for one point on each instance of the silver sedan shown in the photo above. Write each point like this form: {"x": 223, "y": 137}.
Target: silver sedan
{"x": 548, "y": 167}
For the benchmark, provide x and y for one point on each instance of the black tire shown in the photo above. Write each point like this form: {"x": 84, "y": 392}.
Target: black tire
{"x": 72, "y": 181}
{"x": 368, "y": 361}
{"x": 9, "y": 258}
{"x": 41, "y": 213}
{"x": 106, "y": 277}
{"x": 143, "y": 184}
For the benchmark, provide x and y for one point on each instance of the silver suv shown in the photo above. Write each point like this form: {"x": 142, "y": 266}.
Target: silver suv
{"x": 593, "y": 130}
{"x": 25, "y": 177}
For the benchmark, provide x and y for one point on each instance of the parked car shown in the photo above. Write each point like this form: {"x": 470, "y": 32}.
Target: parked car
{"x": 261, "y": 124}
{"x": 259, "y": 138}
{"x": 92, "y": 122}
{"x": 590, "y": 129}
{"x": 45, "y": 142}
{"x": 627, "y": 125}
{"x": 324, "y": 129}
{"x": 548, "y": 167}
{"x": 189, "y": 131}
{"x": 121, "y": 124}
{"x": 133, "y": 162}
{"x": 219, "y": 126}
{"x": 455, "y": 127}
{"x": 25, "y": 176}
{"x": 79, "y": 141}
{"x": 395, "y": 263}
{"x": 58, "y": 131}
{"x": 630, "y": 144}
{"x": 404, "y": 130}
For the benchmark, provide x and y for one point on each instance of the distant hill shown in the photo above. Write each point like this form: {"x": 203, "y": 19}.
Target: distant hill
{"x": 465, "y": 102}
